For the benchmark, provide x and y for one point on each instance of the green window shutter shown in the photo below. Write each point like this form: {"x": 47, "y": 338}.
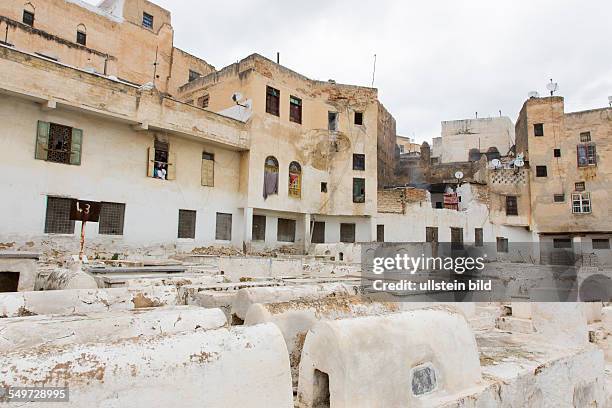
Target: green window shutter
{"x": 42, "y": 141}
{"x": 76, "y": 146}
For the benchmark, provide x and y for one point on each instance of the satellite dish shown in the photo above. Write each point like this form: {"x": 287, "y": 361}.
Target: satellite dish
{"x": 552, "y": 87}
{"x": 519, "y": 162}
{"x": 533, "y": 94}
{"x": 459, "y": 175}
{"x": 236, "y": 97}
{"x": 496, "y": 163}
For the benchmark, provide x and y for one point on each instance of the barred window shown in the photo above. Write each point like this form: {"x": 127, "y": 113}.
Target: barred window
{"x": 28, "y": 17}
{"x": 347, "y": 232}
{"x": 147, "y": 20}
{"x": 581, "y": 203}
{"x": 81, "y": 37}
{"x": 286, "y": 230}
{"x": 57, "y": 218}
{"x": 224, "y": 227}
{"x": 585, "y": 137}
{"x": 112, "y": 217}
{"x": 511, "y": 205}
{"x": 502, "y": 244}
{"x": 579, "y": 186}
{"x": 559, "y": 198}
{"x": 203, "y": 101}
{"x": 601, "y": 243}
{"x": 187, "y": 224}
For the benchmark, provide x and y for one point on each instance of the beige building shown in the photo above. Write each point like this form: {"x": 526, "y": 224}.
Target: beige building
{"x": 407, "y": 145}
{"x": 570, "y": 173}
{"x": 254, "y": 155}
{"x": 131, "y": 40}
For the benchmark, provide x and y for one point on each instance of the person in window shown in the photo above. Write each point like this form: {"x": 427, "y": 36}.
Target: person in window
{"x": 160, "y": 171}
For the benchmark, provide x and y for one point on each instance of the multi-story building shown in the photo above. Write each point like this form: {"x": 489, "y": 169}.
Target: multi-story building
{"x": 254, "y": 155}
{"x": 570, "y": 173}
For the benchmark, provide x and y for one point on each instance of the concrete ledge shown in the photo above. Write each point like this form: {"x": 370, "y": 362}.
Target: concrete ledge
{"x": 242, "y": 367}
{"x": 34, "y": 331}
{"x": 417, "y": 358}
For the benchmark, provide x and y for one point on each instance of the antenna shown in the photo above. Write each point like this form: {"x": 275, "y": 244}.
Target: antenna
{"x": 552, "y": 87}
{"x": 374, "y": 71}
{"x": 278, "y": 58}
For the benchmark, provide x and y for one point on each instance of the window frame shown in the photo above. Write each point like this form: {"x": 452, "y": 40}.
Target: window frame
{"x": 585, "y": 137}
{"x": 556, "y": 196}
{"x": 349, "y": 228}
{"x": 503, "y": 245}
{"x": 69, "y": 226}
{"x": 359, "y": 161}
{"x": 290, "y": 224}
{"x": 511, "y": 205}
{"x": 109, "y": 229}
{"x": 332, "y": 121}
{"x": 203, "y": 101}
{"x": 273, "y": 96}
{"x": 295, "y": 109}
{"x": 478, "y": 237}
{"x": 318, "y": 228}
{"x": 581, "y": 203}
{"x": 258, "y": 229}
{"x": 540, "y": 174}
{"x": 81, "y": 38}
{"x": 187, "y": 231}
{"x": 295, "y": 180}
{"x": 359, "y": 198}
{"x": 556, "y": 152}
{"x": 148, "y": 20}
{"x": 589, "y": 158}
{"x": 31, "y": 15}
{"x": 219, "y": 218}
{"x": 602, "y": 243}
{"x": 538, "y": 129}
{"x": 358, "y": 114}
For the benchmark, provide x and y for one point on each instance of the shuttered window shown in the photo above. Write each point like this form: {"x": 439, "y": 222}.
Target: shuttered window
{"x": 347, "y": 232}
{"x": 224, "y": 227}
{"x": 259, "y": 228}
{"x": 478, "y": 237}
{"x": 380, "y": 233}
{"x": 57, "y": 217}
{"x": 112, "y": 217}
{"x": 58, "y": 143}
{"x": 272, "y": 101}
{"x": 286, "y": 230}
{"x": 186, "y": 224}
{"x": 318, "y": 233}
{"x": 208, "y": 169}
{"x": 161, "y": 162}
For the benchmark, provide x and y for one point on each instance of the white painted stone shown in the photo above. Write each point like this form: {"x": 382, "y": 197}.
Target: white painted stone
{"x": 247, "y": 297}
{"x": 370, "y": 361}
{"x": 34, "y": 331}
{"x": 73, "y": 278}
{"x": 241, "y": 367}
{"x": 561, "y": 323}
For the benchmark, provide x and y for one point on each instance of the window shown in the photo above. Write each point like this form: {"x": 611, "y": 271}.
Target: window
{"x": 28, "y": 17}
{"x": 502, "y": 244}
{"x": 286, "y": 230}
{"x": 58, "y": 143}
{"x": 193, "y": 75}
{"x": 511, "y": 205}
{"x": 538, "y": 129}
{"x": 324, "y": 187}
{"x": 562, "y": 243}
{"x": 161, "y": 161}
{"x": 478, "y": 237}
{"x": 456, "y": 238}
{"x": 295, "y": 180}
{"x": 401, "y": 149}
{"x": 81, "y": 37}
{"x": 601, "y": 243}
{"x": 585, "y": 137}
{"x": 579, "y": 186}
{"x": 359, "y": 118}
{"x": 224, "y": 227}
{"x": 541, "y": 171}
{"x": 359, "y": 190}
{"x": 203, "y": 101}
{"x": 272, "y": 101}
{"x": 57, "y": 218}
{"x": 259, "y": 228}
{"x": 111, "y": 219}
{"x": 270, "y": 176}
{"x": 559, "y": 198}
{"x": 380, "y": 233}
{"x": 186, "y": 224}
{"x": 147, "y": 20}
{"x": 332, "y": 121}
{"x": 581, "y": 203}
{"x": 587, "y": 155}
{"x": 557, "y": 152}
{"x": 347, "y": 233}
{"x": 318, "y": 232}
{"x": 208, "y": 169}
{"x": 358, "y": 161}
{"x": 295, "y": 109}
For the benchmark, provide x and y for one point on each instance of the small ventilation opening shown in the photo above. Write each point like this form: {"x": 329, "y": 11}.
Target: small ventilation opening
{"x": 340, "y": 256}
{"x": 320, "y": 390}
{"x": 9, "y": 281}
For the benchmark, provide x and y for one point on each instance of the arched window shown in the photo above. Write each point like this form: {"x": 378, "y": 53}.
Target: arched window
{"x": 295, "y": 180}
{"x": 270, "y": 177}
{"x": 81, "y": 37}
{"x": 28, "y": 14}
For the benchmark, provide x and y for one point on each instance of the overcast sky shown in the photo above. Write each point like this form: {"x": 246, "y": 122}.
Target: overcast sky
{"x": 436, "y": 60}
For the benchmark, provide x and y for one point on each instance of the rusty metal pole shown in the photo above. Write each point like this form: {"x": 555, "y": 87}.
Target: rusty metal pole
{"x": 82, "y": 251}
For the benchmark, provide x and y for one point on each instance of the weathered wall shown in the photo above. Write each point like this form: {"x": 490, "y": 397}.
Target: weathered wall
{"x": 386, "y": 146}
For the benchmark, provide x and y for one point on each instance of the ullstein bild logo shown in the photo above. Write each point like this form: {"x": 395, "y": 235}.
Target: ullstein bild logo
{"x": 412, "y": 265}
